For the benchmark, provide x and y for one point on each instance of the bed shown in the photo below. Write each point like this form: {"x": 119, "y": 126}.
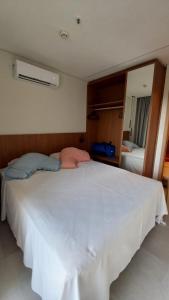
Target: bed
{"x": 80, "y": 228}
{"x": 133, "y": 161}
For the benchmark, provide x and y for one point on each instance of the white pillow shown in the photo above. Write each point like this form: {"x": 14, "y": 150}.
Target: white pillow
{"x": 130, "y": 144}
{"x": 55, "y": 155}
{"x": 12, "y": 161}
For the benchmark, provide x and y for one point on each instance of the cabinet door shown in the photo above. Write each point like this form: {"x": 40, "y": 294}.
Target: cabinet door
{"x": 154, "y": 117}
{"x": 136, "y": 117}
{"x": 145, "y": 83}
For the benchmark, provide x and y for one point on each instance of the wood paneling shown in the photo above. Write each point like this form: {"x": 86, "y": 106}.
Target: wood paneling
{"x": 154, "y": 115}
{"x": 12, "y": 146}
{"x": 109, "y": 128}
{"x": 109, "y": 90}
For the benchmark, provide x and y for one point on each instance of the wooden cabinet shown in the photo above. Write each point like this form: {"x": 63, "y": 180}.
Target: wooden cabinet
{"x": 105, "y": 111}
{"x": 106, "y": 98}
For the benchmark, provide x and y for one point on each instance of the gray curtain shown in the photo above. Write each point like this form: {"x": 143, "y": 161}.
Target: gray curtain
{"x": 141, "y": 121}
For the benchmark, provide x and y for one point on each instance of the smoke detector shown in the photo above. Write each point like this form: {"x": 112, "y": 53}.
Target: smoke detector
{"x": 64, "y": 34}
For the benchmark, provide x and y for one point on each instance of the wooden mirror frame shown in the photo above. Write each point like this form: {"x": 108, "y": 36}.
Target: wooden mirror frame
{"x": 154, "y": 113}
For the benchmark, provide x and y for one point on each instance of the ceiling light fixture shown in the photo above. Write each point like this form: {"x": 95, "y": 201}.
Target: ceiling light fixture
{"x": 78, "y": 20}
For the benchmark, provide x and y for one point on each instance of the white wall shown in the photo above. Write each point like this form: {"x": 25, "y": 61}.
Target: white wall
{"x": 163, "y": 130}
{"x": 26, "y": 107}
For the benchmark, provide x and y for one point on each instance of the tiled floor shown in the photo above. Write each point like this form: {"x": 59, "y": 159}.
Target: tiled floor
{"x": 146, "y": 277}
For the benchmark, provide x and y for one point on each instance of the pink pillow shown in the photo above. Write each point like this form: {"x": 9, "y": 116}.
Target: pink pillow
{"x": 68, "y": 163}
{"x": 125, "y": 148}
{"x": 71, "y": 156}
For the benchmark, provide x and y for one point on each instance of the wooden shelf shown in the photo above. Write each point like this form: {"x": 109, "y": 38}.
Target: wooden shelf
{"x": 109, "y": 108}
{"x": 107, "y": 104}
{"x": 105, "y": 159}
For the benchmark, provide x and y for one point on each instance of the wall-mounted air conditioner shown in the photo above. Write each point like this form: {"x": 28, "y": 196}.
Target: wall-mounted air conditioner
{"x": 36, "y": 74}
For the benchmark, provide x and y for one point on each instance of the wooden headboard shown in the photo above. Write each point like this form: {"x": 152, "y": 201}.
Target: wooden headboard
{"x": 12, "y": 146}
{"x": 126, "y": 135}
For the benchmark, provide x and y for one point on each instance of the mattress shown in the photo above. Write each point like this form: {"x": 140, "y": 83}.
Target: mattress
{"x": 79, "y": 228}
{"x": 133, "y": 161}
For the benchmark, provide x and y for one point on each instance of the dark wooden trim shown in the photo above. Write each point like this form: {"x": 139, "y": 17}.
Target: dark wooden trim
{"x": 144, "y": 64}
{"x": 12, "y": 146}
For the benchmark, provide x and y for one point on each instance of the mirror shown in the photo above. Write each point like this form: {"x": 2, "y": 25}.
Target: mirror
{"x": 136, "y": 112}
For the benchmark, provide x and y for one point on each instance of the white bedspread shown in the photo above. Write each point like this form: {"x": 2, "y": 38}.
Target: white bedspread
{"x": 80, "y": 228}
{"x": 133, "y": 161}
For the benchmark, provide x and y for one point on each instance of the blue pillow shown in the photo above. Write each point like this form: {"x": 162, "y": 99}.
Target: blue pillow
{"x": 50, "y": 164}
{"x": 27, "y": 164}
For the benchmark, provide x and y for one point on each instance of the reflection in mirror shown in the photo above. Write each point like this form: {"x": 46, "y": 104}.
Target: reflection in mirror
{"x": 138, "y": 97}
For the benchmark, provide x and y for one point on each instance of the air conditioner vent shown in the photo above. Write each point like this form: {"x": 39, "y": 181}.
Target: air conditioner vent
{"x": 35, "y": 74}
{"x": 33, "y": 80}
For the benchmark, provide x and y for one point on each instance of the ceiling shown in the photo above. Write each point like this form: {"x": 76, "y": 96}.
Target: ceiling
{"x": 140, "y": 81}
{"x": 113, "y": 34}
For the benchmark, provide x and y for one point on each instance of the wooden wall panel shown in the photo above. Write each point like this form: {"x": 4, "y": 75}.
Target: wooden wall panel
{"x": 112, "y": 93}
{"x": 154, "y": 115}
{"x": 12, "y": 146}
{"x": 110, "y": 128}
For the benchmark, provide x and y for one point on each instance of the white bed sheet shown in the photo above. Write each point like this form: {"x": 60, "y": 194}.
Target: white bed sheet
{"x": 133, "y": 161}
{"x": 79, "y": 229}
